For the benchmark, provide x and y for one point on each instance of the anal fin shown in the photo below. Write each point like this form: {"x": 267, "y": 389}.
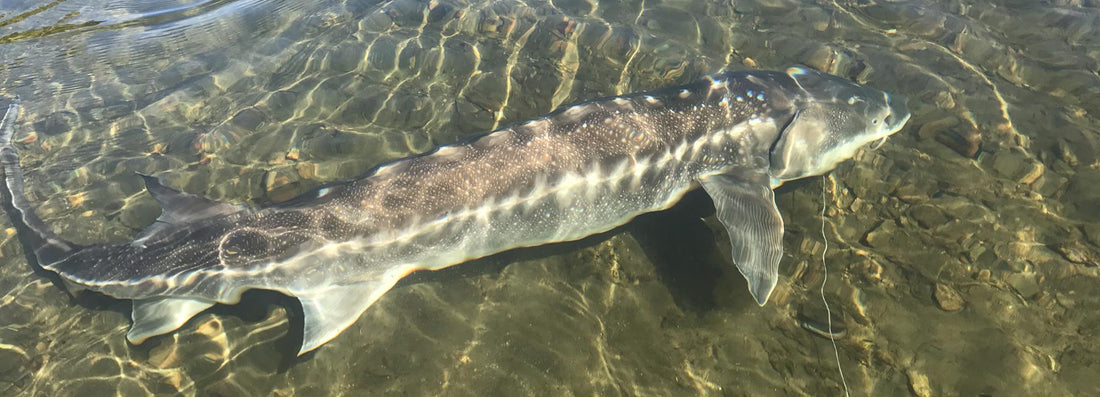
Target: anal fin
{"x": 745, "y": 205}
{"x": 158, "y": 316}
{"x": 329, "y": 311}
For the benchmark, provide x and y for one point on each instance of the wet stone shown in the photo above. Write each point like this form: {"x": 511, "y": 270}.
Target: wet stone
{"x": 282, "y": 184}
{"x": 927, "y": 216}
{"x": 92, "y": 387}
{"x": 282, "y": 104}
{"x": 1092, "y": 232}
{"x": 1050, "y": 184}
{"x": 487, "y": 90}
{"x": 944, "y": 100}
{"x": 109, "y": 112}
{"x": 225, "y": 387}
{"x": 14, "y": 366}
{"x": 1024, "y": 284}
{"x": 140, "y": 214}
{"x": 458, "y": 59}
{"x": 248, "y": 119}
{"x": 575, "y": 7}
{"x": 866, "y": 182}
{"x": 957, "y": 230}
{"x": 966, "y": 142}
{"x": 918, "y": 383}
{"x": 1078, "y": 252}
{"x": 885, "y": 235}
{"x": 405, "y": 111}
{"x": 980, "y": 255}
{"x": 56, "y": 123}
{"x": 1083, "y": 196}
{"x": 1010, "y": 164}
{"x": 672, "y": 23}
{"x": 360, "y": 110}
{"x": 382, "y": 56}
{"x": 1017, "y": 253}
{"x": 14, "y": 313}
{"x": 932, "y": 128}
{"x": 469, "y": 117}
{"x": 345, "y": 57}
{"x": 1065, "y": 153}
{"x": 912, "y": 193}
{"x": 964, "y": 209}
{"x": 947, "y": 298}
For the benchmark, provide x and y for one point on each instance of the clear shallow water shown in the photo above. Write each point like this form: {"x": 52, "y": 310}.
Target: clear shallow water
{"x": 962, "y": 254}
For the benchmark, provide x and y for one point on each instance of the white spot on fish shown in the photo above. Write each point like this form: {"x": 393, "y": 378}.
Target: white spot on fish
{"x": 685, "y": 93}
{"x": 574, "y": 111}
{"x": 496, "y": 138}
{"x": 716, "y": 84}
{"x": 536, "y": 123}
{"x": 448, "y": 150}
{"x": 390, "y": 168}
{"x": 681, "y": 150}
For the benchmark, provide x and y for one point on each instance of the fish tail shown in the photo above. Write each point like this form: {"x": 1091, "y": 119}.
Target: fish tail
{"x": 34, "y": 233}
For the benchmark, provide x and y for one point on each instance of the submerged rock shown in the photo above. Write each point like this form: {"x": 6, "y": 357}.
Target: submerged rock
{"x": 947, "y": 298}
{"x": 1024, "y": 284}
{"x": 1078, "y": 252}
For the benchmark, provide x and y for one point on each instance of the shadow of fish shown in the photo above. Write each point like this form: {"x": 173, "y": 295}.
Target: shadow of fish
{"x": 578, "y": 171}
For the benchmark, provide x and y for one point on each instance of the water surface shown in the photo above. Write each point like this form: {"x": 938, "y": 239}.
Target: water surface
{"x": 962, "y": 255}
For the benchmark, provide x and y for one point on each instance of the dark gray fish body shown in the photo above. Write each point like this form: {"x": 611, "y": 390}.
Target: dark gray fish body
{"x": 578, "y": 171}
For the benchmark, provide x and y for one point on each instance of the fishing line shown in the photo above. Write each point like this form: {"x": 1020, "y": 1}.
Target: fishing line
{"x": 825, "y": 268}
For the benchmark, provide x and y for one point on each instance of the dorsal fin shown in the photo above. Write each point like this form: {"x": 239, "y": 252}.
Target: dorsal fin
{"x": 179, "y": 209}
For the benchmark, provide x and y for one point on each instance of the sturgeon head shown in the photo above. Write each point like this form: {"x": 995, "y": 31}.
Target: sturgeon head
{"x": 829, "y": 119}
{"x": 834, "y": 118}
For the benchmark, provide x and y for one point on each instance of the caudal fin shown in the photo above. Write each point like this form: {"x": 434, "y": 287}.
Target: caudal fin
{"x": 36, "y": 236}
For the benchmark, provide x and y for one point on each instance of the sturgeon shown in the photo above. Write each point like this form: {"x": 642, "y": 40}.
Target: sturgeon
{"x": 581, "y": 170}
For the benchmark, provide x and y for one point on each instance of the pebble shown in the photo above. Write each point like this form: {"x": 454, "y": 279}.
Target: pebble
{"x": 1026, "y": 285}
{"x": 947, "y": 298}
{"x": 1078, "y": 252}
{"x": 282, "y": 184}
{"x": 932, "y": 128}
{"x": 927, "y": 216}
{"x": 1017, "y": 166}
{"x": 918, "y": 383}
{"x": 1065, "y": 153}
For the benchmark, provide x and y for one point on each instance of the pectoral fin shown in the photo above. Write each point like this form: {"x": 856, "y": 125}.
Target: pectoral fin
{"x": 746, "y": 207}
{"x": 158, "y": 316}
